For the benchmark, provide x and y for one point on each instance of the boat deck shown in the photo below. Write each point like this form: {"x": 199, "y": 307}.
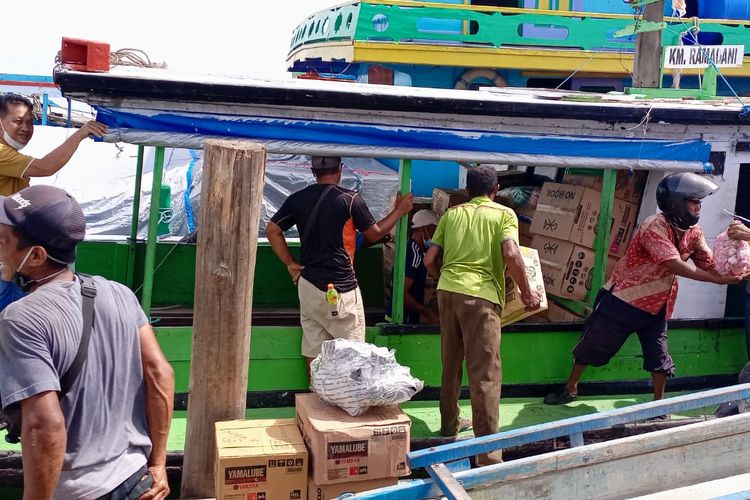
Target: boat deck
{"x": 425, "y": 415}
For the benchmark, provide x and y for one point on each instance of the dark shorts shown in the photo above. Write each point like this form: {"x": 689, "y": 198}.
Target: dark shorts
{"x": 610, "y": 325}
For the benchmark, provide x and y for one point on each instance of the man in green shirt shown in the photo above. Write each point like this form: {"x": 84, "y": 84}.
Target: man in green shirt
{"x": 470, "y": 250}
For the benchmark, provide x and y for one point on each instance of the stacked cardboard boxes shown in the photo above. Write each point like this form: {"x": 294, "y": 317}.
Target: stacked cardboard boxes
{"x": 352, "y": 454}
{"x": 260, "y": 459}
{"x": 564, "y": 228}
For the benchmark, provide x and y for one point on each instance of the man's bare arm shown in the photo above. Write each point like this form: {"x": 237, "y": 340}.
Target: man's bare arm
{"x": 43, "y": 442}
{"x": 58, "y": 157}
{"x": 159, "y": 378}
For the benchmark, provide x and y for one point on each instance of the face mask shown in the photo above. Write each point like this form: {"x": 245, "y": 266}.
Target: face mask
{"x": 427, "y": 240}
{"x": 23, "y": 282}
{"x": 10, "y": 141}
{"x": 18, "y": 279}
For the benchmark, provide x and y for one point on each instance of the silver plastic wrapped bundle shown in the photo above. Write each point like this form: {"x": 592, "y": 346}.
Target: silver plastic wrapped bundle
{"x": 355, "y": 376}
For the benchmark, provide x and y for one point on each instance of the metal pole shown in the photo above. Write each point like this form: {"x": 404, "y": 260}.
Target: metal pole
{"x": 45, "y": 108}
{"x": 603, "y": 230}
{"x": 70, "y": 113}
{"x": 399, "y": 260}
{"x": 130, "y": 277}
{"x": 153, "y": 220}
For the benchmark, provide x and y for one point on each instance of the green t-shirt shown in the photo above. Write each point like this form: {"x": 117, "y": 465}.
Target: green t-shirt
{"x": 471, "y": 236}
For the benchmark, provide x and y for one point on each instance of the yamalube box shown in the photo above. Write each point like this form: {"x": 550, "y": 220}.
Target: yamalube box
{"x": 345, "y": 448}
{"x": 331, "y": 491}
{"x": 260, "y": 460}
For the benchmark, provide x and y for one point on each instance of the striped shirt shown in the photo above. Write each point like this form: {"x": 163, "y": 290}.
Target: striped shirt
{"x": 641, "y": 279}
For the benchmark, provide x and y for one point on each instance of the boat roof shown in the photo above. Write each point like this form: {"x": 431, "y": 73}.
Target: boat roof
{"x": 122, "y": 84}
{"x": 498, "y": 125}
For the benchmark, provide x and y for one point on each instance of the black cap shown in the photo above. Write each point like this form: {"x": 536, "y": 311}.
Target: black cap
{"x": 325, "y": 162}
{"x": 49, "y": 216}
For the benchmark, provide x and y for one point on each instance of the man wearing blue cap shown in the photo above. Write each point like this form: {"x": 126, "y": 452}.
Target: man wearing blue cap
{"x": 101, "y": 433}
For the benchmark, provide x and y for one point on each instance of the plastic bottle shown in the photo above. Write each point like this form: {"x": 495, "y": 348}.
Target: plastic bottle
{"x": 332, "y": 295}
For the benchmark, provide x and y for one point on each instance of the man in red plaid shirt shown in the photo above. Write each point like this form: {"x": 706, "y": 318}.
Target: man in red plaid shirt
{"x": 641, "y": 294}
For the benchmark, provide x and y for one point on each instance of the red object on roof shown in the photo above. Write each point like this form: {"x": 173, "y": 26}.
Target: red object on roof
{"x": 85, "y": 55}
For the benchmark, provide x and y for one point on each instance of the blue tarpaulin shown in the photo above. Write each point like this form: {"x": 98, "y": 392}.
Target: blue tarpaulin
{"x": 392, "y": 136}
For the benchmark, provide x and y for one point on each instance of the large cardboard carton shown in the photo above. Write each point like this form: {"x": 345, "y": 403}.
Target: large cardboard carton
{"x": 331, "y": 491}
{"x": 443, "y": 199}
{"x": 629, "y": 186}
{"x": 345, "y": 448}
{"x": 556, "y": 313}
{"x": 430, "y": 296}
{"x": 556, "y": 210}
{"x": 260, "y": 459}
{"x": 624, "y": 217}
{"x": 567, "y": 267}
{"x": 624, "y": 220}
{"x": 514, "y": 309}
{"x": 511, "y": 178}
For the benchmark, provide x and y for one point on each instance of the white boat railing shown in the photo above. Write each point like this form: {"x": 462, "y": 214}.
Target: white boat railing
{"x": 442, "y": 462}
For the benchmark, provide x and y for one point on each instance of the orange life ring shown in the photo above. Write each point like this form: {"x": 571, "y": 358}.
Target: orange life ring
{"x": 469, "y": 76}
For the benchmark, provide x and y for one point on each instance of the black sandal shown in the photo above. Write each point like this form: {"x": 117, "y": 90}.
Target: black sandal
{"x": 560, "y": 397}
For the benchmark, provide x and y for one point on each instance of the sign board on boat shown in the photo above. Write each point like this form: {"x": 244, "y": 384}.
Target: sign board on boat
{"x": 700, "y": 56}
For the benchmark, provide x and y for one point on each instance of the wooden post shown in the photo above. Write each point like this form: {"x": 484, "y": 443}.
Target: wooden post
{"x": 648, "y": 51}
{"x": 231, "y": 200}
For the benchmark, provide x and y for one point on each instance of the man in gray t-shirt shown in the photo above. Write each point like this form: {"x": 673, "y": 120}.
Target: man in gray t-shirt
{"x": 107, "y": 434}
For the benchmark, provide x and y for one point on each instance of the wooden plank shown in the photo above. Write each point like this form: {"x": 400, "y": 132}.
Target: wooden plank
{"x": 696, "y": 452}
{"x": 486, "y": 444}
{"x": 647, "y": 63}
{"x": 659, "y": 460}
{"x": 447, "y": 483}
{"x": 231, "y": 200}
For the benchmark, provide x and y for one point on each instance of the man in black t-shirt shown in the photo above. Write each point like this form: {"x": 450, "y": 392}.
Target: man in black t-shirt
{"x": 327, "y": 217}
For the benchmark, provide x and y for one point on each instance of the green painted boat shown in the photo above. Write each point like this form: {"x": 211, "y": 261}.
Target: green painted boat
{"x": 707, "y": 347}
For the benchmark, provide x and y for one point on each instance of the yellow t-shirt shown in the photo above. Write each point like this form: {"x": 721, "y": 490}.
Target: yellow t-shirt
{"x": 12, "y": 167}
{"x": 471, "y": 236}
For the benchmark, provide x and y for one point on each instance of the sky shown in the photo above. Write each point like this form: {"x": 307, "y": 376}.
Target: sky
{"x": 234, "y": 37}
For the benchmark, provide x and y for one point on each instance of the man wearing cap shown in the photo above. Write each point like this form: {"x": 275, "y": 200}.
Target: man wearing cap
{"x": 423, "y": 224}
{"x": 105, "y": 436}
{"x": 327, "y": 217}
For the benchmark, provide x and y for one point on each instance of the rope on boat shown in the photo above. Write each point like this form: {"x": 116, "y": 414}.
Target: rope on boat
{"x": 126, "y": 57}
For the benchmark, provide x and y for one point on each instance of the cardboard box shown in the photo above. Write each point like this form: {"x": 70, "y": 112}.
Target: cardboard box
{"x": 331, "y": 491}
{"x": 525, "y": 217}
{"x": 260, "y": 459}
{"x": 624, "y": 217}
{"x": 611, "y": 263}
{"x": 514, "y": 309}
{"x": 629, "y": 186}
{"x": 512, "y": 178}
{"x": 556, "y": 313}
{"x": 443, "y": 199}
{"x": 430, "y": 296}
{"x": 345, "y": 448}
{"x": 557, "y": 210}
{"x": 567, "y": 268}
